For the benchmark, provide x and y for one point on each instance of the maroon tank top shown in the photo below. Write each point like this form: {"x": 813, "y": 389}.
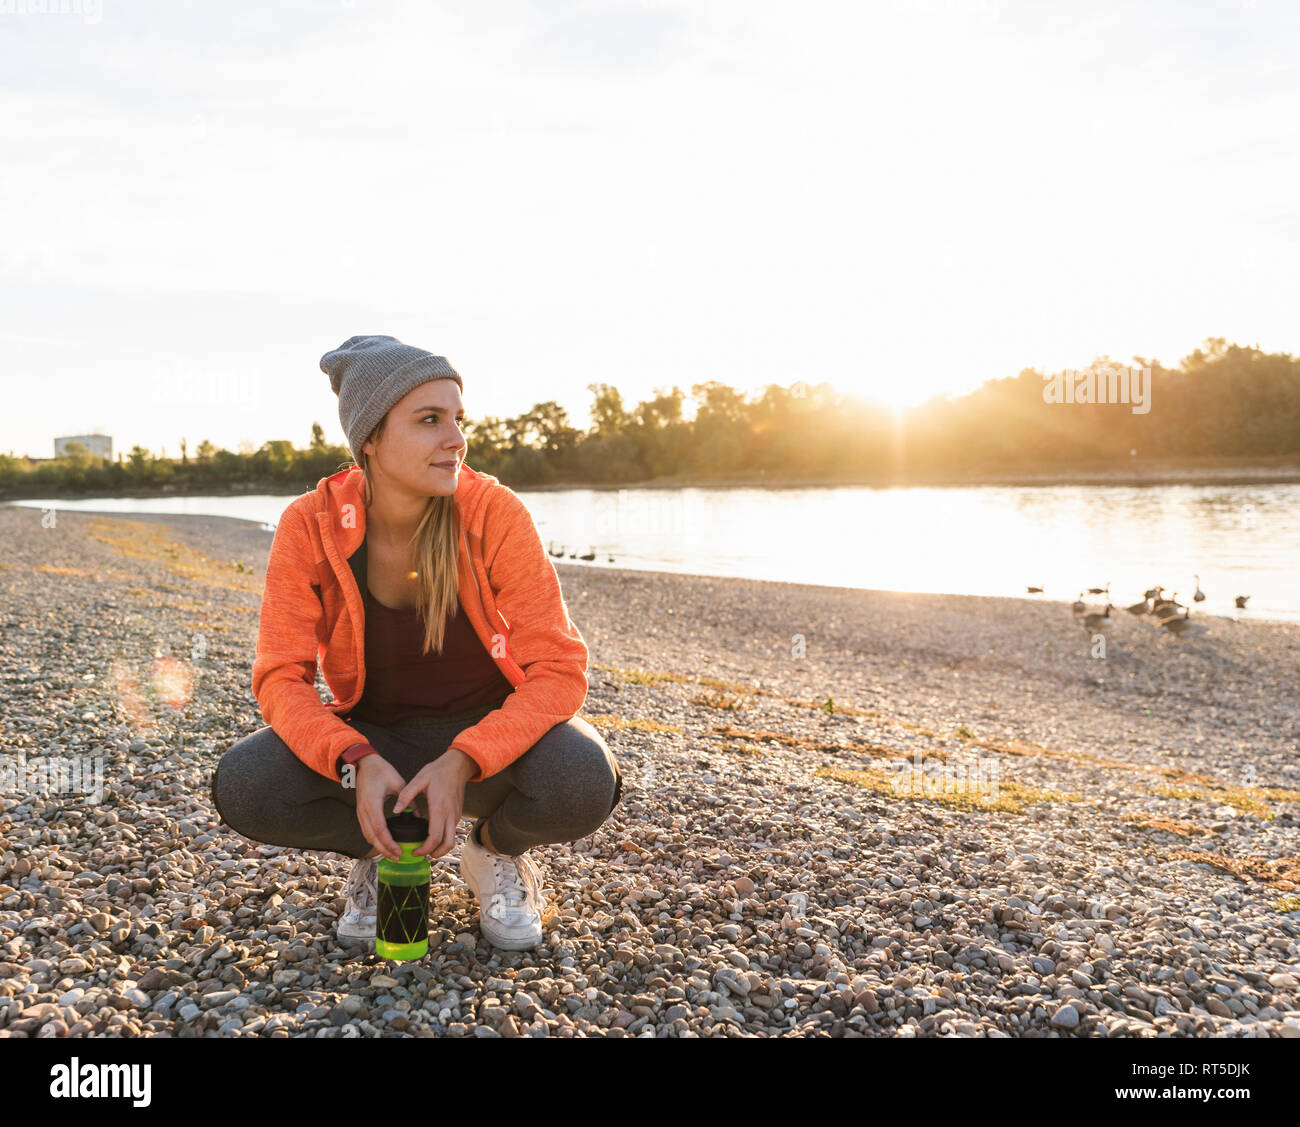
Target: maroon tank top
{"x": 403, "y": 681}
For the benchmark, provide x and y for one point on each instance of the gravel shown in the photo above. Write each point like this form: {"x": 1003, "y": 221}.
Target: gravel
{"x": 762, "y": 876}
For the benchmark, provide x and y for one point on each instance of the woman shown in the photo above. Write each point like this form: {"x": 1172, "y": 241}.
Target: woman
{"x": 424, "y": 589}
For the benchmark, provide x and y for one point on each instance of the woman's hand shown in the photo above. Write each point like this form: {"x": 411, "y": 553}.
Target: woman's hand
{"x": 376, "y": 780}
{"x": 442, "y": 785}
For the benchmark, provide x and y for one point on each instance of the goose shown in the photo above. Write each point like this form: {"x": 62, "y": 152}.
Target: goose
{"x": 1199, "y": 596}
{"x": 1079, "y": 606}
{"x": 1094, "y": 622}
{"x": 1154, "y": 592}
{"x": 1033, "y": 590}
{"x": 1167, "y": 608}
{"x": 610, "y": 559}
{"x": 1185, "y": 628}
{"x": 590, "y": 554}
{"x": 573, "y": 555}
{"x": 551, "y": 551}
{"x": 1139, "y": 608}
{"x": 1182, "y": 625}
{"x": 1240, "y": 600}
{"x": 1100, "y": 590}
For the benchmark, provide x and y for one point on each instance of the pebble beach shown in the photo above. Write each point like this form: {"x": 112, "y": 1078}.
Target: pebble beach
{"x": 845, "y": 813}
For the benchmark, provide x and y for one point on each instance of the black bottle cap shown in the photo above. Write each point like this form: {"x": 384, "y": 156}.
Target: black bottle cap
{"x": 408, "y": 826}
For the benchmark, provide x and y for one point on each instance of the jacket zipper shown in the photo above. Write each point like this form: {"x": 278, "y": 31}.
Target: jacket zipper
{"x": 508, "y": 629}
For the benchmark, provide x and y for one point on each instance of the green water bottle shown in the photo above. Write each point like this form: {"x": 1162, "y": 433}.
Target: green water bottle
{"x": 402, "y": 911}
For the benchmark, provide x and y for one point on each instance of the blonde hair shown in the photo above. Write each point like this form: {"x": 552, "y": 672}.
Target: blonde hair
{"x": 436, "y": 542}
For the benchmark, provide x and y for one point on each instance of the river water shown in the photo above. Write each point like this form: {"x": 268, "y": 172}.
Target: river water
{"x": 972, "y": 540}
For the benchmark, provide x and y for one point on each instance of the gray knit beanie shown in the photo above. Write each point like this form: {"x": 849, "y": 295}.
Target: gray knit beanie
{"x": 371, "y": 373}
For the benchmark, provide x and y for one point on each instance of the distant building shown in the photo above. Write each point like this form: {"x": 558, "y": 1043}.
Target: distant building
{"x": 100, "y": 445}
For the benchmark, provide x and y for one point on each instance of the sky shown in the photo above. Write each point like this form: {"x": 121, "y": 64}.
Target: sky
{"x": 904, "y": 198}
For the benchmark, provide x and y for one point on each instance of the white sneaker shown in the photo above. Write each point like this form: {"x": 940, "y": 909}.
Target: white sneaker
{"x": 509, "y": 892}
{"x": 362, "y": 893}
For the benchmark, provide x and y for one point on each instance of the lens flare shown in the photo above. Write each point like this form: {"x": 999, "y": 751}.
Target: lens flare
{"x": 171, "y": 681}
{"x": 130, "y": 697}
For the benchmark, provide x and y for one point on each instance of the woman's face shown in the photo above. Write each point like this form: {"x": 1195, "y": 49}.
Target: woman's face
{"x": 422, "y": 446}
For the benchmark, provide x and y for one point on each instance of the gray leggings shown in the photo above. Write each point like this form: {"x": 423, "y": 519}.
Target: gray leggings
{"x": 560, "y": 789}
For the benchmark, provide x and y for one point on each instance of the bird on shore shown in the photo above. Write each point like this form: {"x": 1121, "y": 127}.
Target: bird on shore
{"x": 1240, "y": 600}
{"x": 1140, "y": 608}
{"x": 1095, "y": 622}
{"x": 1100, "y": 590}
{"x": 551, "y": 551}
{"x": 1185, "y": 628}
{"x": 590, "y": 554}
{"x": 1033, "y": 590}
{"x": 1079, "y": 605}
{"x": 1162, "y": 608}
{"x": 1153, "y": 592}
{"x": 1166, "y": 609}
{"x": 1182, "y": 625}
{"x": 1199, "y": 595}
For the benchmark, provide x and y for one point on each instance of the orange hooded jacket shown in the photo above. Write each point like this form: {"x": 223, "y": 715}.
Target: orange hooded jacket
{"x": 312, "y": 610}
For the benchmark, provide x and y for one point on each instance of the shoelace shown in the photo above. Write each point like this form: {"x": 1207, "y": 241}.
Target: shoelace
{"x": 362, "y": 888}
{"x": 515, "y": 875}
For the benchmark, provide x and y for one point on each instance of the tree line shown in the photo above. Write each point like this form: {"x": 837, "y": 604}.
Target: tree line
{"x": 1222, "y": 401}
